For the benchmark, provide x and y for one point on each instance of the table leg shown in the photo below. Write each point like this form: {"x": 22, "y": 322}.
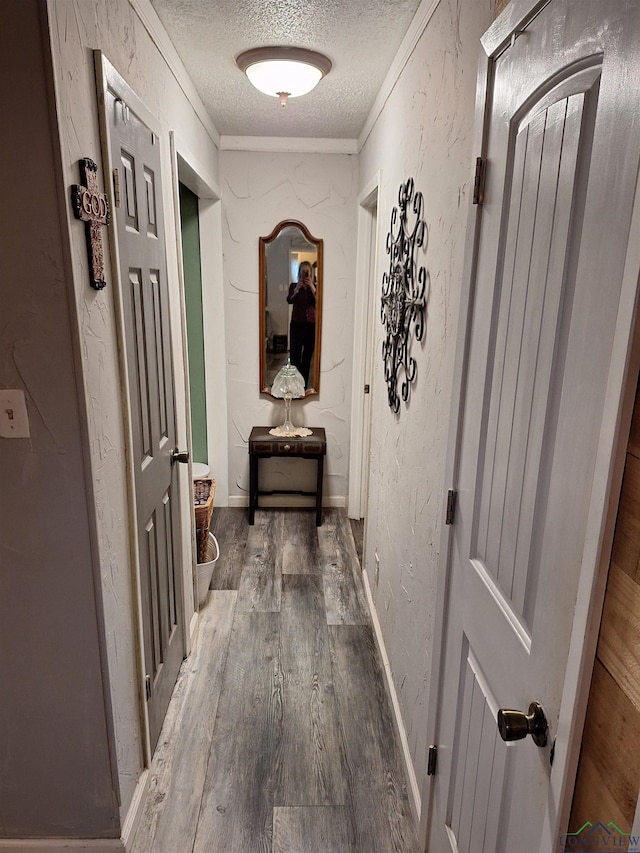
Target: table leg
{"x": 253, "y": 487}
{"x": 319, "y": 491}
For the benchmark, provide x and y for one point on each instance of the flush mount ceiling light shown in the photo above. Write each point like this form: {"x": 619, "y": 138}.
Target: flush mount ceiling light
{"x": 284, "y": 72}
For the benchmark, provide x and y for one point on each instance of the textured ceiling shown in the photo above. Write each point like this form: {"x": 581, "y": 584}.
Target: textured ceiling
{"x": 360, "y": 37}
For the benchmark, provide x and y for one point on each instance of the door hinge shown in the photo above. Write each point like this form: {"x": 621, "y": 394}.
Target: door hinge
{"x": 367, "y": 388}
{"x": 452, "y": 496}
{"x": 147, "y": 686}
{"x": 478, "y": 181}
{"x": 124, "y": 110}
{"x": 432, "y": 761}
{"x": 116, "y": 188}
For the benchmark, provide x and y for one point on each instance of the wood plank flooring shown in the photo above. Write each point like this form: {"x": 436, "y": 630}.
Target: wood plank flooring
{"x": 279, "y": 737}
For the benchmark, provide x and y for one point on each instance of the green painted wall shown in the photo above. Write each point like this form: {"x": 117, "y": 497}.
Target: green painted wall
{"x": 195, "y": 326}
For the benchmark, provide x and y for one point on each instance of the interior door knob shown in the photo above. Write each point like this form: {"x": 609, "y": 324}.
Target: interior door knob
{"x": 179, "y": 456}
{"x": 515, "y": 725}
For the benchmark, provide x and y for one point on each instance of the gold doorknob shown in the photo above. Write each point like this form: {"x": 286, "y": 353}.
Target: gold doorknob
{"x": 516, "y": 725}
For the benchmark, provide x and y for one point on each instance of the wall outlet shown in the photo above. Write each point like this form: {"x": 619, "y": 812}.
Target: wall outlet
{"x": 377, "y": 577}
{"x": 14, "y": 421}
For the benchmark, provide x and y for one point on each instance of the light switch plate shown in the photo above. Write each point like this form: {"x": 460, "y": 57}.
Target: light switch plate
{"x": 14, "y": 421}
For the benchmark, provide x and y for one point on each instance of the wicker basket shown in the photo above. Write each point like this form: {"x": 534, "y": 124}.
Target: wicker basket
{"x": 203, "y": 492}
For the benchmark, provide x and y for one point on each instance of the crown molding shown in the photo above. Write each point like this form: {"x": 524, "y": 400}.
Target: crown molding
{"x": 289, "y": 144}
{"x": 416, "y": 28}
{"x": 153, "y": 25}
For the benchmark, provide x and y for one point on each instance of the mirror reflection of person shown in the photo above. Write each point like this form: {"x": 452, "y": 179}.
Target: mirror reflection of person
{"x": 302, "y": 331}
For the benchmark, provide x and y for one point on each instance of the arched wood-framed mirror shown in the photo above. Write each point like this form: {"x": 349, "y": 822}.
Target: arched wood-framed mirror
{"x": 291, "y": 287}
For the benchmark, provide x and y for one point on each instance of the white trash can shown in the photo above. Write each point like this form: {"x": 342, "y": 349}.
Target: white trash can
{"x": 205, "y": 570}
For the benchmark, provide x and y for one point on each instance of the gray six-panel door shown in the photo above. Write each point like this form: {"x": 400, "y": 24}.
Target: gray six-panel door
{"x": 143, "y": 275}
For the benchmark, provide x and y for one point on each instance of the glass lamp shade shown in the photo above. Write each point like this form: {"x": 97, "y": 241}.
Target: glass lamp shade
{"x": 288, "y": 384}
{"x": 284, "y": 71}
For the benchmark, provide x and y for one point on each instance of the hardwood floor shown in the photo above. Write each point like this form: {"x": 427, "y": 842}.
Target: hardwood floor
{"x": 279, "y": 737}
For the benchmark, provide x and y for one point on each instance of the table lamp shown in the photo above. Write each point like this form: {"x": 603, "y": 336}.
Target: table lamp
{"x": 288, "y": 385}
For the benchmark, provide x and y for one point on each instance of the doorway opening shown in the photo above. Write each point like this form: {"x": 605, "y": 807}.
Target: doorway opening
{"x": 199, "y": 233}
{"x": 192, "y": 276}
{"x": 607, "y": 786}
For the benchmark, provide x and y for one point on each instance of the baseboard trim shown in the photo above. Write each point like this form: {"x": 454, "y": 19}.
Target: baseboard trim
{"x": 91, "y": 845}
{"x": 414, "y": 791}
{"x": 47, "y": 845}
{"x": 134, "y": 815}
{"x": 270, "y": 501}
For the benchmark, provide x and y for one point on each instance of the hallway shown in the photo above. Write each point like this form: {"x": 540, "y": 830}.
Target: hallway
{"x": 279, "y": 736}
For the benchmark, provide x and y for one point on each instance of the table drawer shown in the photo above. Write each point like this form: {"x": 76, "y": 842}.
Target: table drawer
{"x": 316, "y": 447}
{"x": 262, "y": 447}
{"x": 287, "y": 447}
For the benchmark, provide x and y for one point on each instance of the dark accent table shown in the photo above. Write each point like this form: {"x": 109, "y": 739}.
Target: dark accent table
{"x": 262, "y": 445}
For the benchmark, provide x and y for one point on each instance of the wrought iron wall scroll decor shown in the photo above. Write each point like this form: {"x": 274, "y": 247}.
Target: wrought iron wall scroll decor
{"x": 403, "y": 294}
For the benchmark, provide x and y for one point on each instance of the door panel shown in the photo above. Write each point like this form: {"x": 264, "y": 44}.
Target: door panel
{"x": 480, "y": 763}
{"x": 543, "y": 318}
{"x": 523, "y": 362}
{"x": 136, "y": 151}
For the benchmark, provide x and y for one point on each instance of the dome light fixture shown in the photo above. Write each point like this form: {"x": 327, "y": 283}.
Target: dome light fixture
{"x": 284, "y": 72}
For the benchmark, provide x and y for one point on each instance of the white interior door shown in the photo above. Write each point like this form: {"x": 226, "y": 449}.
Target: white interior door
{"x": 562, "y": 138}
{"x": 372, "y": 291}
{"x": 365, "y": 302}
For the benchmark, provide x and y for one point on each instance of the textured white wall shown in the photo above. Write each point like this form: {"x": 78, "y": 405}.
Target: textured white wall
{"x": 424, "y": 132}
{"x": 258, "y": 191}
{"x": 55, "y": 776}
{"x": 78, "y": 27}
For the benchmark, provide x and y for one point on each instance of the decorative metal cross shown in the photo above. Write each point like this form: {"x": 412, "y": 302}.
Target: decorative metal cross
{"x": 403, "y": 295}
{"x": 92, "y": 207}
